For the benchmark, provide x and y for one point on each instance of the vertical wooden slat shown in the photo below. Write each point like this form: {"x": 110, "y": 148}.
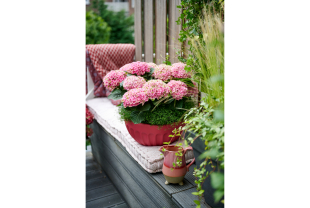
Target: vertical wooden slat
{"x": 160, "y": 25}
{"x": 148, "y": 30}
{"x": 138, "y": 30}
{"x": 174, "y": 30}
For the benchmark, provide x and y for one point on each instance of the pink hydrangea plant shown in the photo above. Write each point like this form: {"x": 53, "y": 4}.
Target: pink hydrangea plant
{"x": 151, "y": 65}
{"x": 113, "y": 79}
{"x": 156, "y": 89}
{"x": 178, "y": 71}
{"x": 133, "y": 82}
{"x": 138, "y": 68}
{"x": 178, "y": 89}
{"x": 134, "y": 97}
{"x": 163, "y": 72}
{"x": 125, "y": 67}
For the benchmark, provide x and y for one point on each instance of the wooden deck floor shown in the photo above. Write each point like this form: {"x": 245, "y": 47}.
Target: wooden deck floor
{"x": 100, "y": 192}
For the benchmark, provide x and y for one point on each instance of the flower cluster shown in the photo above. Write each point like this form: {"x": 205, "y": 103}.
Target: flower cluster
{"x": 178, "y": 71}
{"x": 138, "y": 68}
{"x": 89, "y": 120}
{"x": 151, "y": 65}
{"x": 156, "y": 89}
{"x": 134, "y": 97}
{"x": 126, "y": 67}
{"x": 178, "y": 89}
{"x": 113, "y": 79}
{"x": 89, "y": 117}
{"x": 163, "y": 72}
{"x": 89, "y": 131}
{"x": 133, "y": 82}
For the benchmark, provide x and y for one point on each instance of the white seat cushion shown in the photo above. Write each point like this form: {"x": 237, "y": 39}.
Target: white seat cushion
{"x": 107, "y": 116}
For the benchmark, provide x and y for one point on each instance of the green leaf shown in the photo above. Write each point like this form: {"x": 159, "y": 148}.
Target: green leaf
{"x": 116, "y": 94}
{"x": 151, "y": 71}
{"x": 218, "y": 194}
{"x": 213, "y": 153}
{"x": 217, "y": 78}
{"x": 145, "y": 107}
{"x": 217, "y": 180}
{"x": 197, "y": 202}
{"x": 201, "y": 192}
{"x": 128, "y": 75}
{"x": 179, "y": 104}
{"x": 195, "y": 193}
{"x": 137, "y": 117}
{"x": 121, "y": 84}
{"x": 169, "y": 101}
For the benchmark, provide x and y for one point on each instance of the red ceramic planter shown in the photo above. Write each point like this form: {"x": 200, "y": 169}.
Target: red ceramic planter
{"x": 151, "y": 135}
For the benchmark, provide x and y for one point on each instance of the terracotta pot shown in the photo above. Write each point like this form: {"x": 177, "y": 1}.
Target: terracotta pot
{"x": 177, "y": 174}
{"x": 151, "y": 135}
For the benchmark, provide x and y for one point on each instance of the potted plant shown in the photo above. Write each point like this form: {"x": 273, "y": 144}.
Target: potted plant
{"x": 154, "y": 99}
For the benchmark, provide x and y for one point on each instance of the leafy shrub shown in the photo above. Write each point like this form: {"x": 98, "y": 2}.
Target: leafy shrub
{"x": 97, "y": 30}
{"x": 121, "y": 26}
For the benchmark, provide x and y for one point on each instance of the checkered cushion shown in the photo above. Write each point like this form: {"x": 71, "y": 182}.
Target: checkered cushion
{"x": 102, "y": 58}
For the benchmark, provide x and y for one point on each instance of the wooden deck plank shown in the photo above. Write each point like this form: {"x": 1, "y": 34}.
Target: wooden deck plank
{"x": 138, "y": 30}
{"x": 171, "y": 188}
{"x": 160, "y": 26}
{"x": 174, "y": 30}
{"x": 91, "y": 167}
{"x": 124, "y": 205}
{"x": 94, "y": 174}
{"x": 186, "y": 199}
{"x": 107, "y": 201}
{"x": 100, "y": 192}
{"x": 148, "y": 30}
{"x": 96, "y": 183}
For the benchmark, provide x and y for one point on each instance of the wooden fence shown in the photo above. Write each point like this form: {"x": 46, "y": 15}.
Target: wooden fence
{"x": 154, "y": 13}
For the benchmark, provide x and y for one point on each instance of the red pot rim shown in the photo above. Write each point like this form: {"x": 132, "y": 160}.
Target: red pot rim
{"x": 176, "y": 124}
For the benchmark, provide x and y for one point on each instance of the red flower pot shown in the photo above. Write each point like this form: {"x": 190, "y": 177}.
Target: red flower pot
{"x": 151, "y": 135}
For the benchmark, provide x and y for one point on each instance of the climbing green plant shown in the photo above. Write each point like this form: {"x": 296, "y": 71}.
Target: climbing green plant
{"x": 192, "y": 18}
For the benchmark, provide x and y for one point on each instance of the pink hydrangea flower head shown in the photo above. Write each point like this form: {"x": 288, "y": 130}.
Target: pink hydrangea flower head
{"x": 138, "y": 68}
{"x": 178, "y": 71}
{"x": 134, "y": 97}
{"x": 113, "y": 79}
{"x": 178, "y": 89}
{"x": 133, "y": 82}
{"x": 151, "y": 65}
{"x": 163, "y": 72}
{"x": 125, "y": 67}
{"x": 156, "y": 89}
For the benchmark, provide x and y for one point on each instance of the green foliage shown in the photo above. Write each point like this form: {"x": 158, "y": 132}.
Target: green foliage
{"x": 204, "y": 30}
{"x": 192, "y": 12}
{"x": 162, "y": 115}
{"x": 121, "y": 26}
{"x": 117, "y": 94}
{"x": 97, "y": 30}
